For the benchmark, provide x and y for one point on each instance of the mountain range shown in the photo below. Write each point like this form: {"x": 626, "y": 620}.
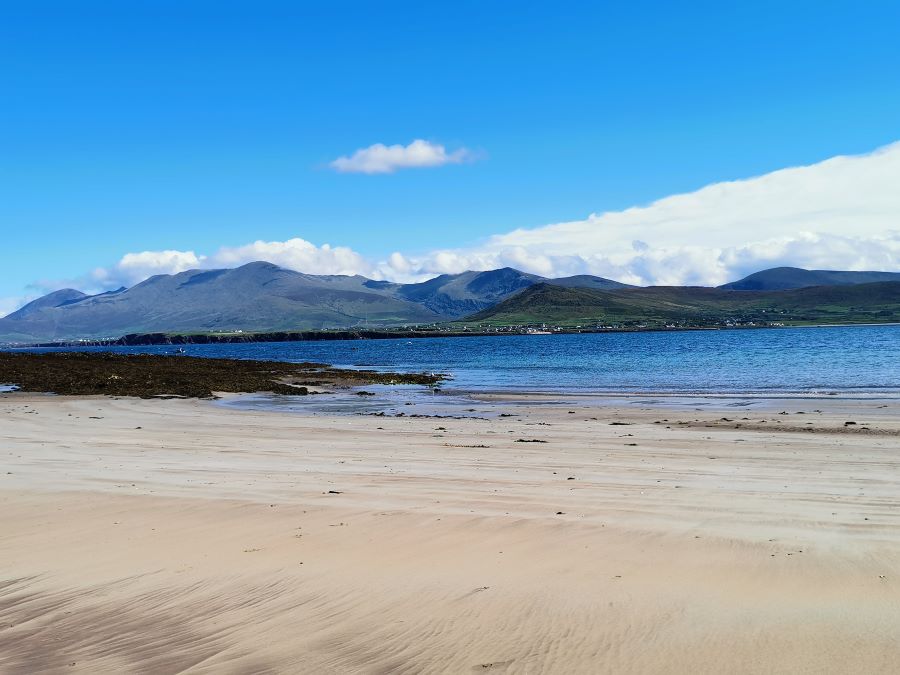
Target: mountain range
{"x": 261, "y": 296}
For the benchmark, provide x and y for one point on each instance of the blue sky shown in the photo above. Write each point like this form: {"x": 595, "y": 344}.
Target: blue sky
{"x": 191, "y": 126}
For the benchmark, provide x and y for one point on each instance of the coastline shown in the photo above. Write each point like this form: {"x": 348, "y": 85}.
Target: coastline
{"x": 175, "y": 339}
{"x": 178, "y": 535}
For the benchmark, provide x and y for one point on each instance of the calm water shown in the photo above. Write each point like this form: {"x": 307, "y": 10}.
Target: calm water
{"x": 857, "y": 359}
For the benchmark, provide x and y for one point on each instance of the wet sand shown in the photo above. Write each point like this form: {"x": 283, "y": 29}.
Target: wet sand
{"x": 625, "y": 536}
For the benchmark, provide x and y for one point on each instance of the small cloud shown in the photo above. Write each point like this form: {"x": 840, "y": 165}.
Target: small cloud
{"x": 380, "y": 158}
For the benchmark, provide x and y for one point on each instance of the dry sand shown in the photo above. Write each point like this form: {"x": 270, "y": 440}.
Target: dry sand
{"x": 179, "y": 536}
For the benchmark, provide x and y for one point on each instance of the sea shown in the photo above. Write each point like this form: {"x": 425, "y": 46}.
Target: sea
{"x": 855, "y": 361}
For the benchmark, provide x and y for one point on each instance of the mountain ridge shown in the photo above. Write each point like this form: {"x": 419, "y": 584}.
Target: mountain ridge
{"x": 263, "y": 297}
{"x": 260, "y": 296}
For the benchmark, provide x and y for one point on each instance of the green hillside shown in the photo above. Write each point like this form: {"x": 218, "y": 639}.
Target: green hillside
{"x": 695, "y": 306}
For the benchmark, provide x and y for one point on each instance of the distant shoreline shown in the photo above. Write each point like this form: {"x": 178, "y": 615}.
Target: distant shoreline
{"x": 175, "y": 339}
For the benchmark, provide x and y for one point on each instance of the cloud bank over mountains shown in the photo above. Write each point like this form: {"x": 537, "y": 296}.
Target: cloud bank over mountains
{"x": 842, "y": 213}
{"x": 296, "y": 254}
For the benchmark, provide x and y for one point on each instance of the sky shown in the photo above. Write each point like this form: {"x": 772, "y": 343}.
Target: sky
{"x": 652, "y": 142}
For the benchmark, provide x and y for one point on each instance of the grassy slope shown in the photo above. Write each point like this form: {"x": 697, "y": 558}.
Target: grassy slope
{"x": 879, "y": 302}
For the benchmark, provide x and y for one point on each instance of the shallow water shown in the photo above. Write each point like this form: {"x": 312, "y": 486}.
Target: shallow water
{"x": 853, "y": 360}
{"x": 404, "y": 400}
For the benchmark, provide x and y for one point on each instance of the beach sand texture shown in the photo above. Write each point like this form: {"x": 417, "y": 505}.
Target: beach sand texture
{"x": 179, "y": 536}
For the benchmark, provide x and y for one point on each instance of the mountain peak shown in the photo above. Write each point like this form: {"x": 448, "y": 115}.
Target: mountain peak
{"x": 258, "y": 264}
{"x": 58, "y": 298}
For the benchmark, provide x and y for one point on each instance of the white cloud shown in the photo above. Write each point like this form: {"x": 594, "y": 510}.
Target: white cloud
{"x": 135, "y": 267}
{"x": 843, "y": 213}
{"x": 844, "y": 194}
{"x": 380, "y": 158}
{"x": 296, "y": 254}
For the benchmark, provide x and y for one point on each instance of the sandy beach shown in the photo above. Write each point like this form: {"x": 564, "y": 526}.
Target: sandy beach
{"x": 168, "y": 536}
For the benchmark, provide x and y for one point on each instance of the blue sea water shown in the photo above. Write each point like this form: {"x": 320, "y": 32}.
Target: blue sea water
{"x": 860, "y": 360}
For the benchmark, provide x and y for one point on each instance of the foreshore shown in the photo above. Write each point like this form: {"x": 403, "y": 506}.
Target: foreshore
{"x": 156, "y": 375}
{"x": 586, "y": 536}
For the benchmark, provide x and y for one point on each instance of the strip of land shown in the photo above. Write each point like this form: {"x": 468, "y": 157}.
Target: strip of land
{"x": 180, "y": 536}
